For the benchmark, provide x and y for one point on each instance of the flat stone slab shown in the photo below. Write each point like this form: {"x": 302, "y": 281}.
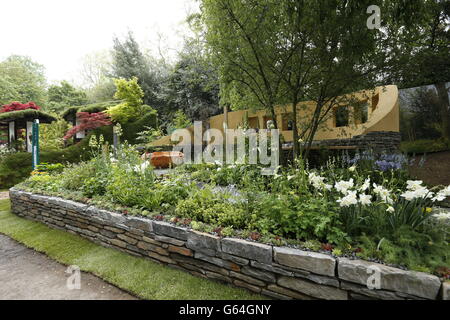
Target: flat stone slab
{"x": 203, "y": 242}
{"x": 167, "y": 229}
{"x": 246, "y": 249}
{"x": 312, "y": 289}
{"x": 310, "y": 261}
{"x": 418, "y": 284}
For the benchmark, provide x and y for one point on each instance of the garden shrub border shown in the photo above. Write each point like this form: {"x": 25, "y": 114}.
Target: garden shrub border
{"x": 277, "y": 272}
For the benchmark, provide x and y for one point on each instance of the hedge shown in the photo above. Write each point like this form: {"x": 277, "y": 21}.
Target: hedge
{"x": 17, "y": 166}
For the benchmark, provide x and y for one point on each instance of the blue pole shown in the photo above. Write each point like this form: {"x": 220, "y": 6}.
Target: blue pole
{"x": 35, "y": 144}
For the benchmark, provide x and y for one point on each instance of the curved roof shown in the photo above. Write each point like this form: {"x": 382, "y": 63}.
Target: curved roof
{"x": 27, "y": 115}
{"x": 91, "y": 108}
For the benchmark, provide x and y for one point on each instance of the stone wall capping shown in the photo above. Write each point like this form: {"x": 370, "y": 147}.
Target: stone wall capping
{"x": 169, "y": 230}
{"x": 419, "y": 284}
{"x": 319, "y": 263}
{"x": 277, "y": 272}
{"x": 247, "y": 249}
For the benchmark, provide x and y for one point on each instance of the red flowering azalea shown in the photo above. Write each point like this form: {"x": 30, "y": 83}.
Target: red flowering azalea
{"x": 88, "y": 121}
{"x": 17, "y": 106}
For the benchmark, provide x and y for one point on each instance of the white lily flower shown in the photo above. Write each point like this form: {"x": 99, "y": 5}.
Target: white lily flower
{"x": 414, "y": 184}
{"x": 343, "y": 186}
{"x": 390, "y": 209}
{"x": 348, "y": 200}
{"x": 364, "y": 199}
{"x": 365, "y": 185}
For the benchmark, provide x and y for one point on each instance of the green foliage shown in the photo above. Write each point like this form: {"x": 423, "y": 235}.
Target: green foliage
{"x": 122, "y": 113}
{"x": 51, "y": 135}
{"x": 64, "y": 95}
{"x": 28, "y": 114}
{"x": 50, "y": 167}
{"x": 130, "y": 91}
{"x": 290, "y": 217}
{"x": 180, "y": 121}
{"x": 129, "y": 61}
{"x": 16, "y": 167}
{"x": 21, "y": 79}
{"x": 424, "y": 146}
{"x": 422, "y": 251}
{"x": 205, "y": 206}
{"x": 132, "y": 94}
{"x": 75, "y": 175}
{"x": 296, "y": 206}
{"x": 149, "y": 135}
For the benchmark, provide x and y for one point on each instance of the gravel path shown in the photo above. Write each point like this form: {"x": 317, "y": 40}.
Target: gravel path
{"x": 26, "y": 274}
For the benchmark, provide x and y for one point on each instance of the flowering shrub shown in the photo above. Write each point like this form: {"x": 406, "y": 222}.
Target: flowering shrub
{"x": 88, "y": 121}
{"x": 17, "y": 106}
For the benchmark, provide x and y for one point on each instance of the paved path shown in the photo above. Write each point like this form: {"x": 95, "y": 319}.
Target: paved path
{"x": 26, "y": 274}
{"x": 4, "y": 195}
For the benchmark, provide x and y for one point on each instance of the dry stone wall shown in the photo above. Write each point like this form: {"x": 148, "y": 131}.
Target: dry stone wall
{"x": 277, "y": 272}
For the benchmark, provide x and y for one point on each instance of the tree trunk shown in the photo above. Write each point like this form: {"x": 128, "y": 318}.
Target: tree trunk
{"x": 314, "y": 125}
{"x": 296, "y": 146}
{"x": 444, "y": 108}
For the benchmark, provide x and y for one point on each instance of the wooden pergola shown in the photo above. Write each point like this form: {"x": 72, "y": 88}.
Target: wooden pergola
{"x": 14, "y": 121}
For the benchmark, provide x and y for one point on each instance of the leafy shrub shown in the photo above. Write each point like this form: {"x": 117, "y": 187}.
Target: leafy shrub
{"x": 205, "y": 206}
{"x": 50, "y": 167}
{"x": 303, "y": 219}
{"x": 75, "y": 175}
{"x": 424, "y": 146}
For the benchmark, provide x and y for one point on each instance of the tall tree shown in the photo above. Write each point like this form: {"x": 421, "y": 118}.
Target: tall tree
{"x": 192, "y": 86}
{"x": 244, "y": 37}
{"x": 129, "y": 61}
{"x": 21, "y": 79}
{"x": 423, "y": 55}
{"x": 63, "y": 95}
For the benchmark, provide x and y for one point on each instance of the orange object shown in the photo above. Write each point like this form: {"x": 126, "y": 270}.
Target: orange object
{"x": 166, "y": 159}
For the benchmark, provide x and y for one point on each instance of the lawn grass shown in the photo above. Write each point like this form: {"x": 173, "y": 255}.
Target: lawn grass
{"x": 139, "y": 276}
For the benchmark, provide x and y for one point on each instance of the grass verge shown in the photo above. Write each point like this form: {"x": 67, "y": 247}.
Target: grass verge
{"x": 139, "y": 276}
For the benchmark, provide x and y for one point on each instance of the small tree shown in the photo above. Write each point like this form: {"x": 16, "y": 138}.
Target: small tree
{"x": 88, "y": 121}
{"x": 17, "y": 106}
{"x": 132, "y": 107}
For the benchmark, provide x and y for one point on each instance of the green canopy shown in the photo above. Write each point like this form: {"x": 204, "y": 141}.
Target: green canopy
{"x": 26, "y": 115}
{"x": 70, "y": 112}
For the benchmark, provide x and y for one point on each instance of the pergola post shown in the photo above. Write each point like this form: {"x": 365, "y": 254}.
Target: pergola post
{"x": 29, "y": 134}
{"x": 11, "y": 133}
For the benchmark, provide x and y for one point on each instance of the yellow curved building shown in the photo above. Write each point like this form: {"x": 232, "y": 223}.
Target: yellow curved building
{"x": 373, "y": 113}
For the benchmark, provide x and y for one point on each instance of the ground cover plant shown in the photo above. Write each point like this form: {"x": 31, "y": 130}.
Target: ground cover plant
{"x": 360, "y": 206}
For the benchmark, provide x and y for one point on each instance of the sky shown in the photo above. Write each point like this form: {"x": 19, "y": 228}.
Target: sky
{"x": 59, "y": 33}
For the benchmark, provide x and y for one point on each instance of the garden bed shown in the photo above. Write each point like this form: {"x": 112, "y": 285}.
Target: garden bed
{"x": 278, "y": 272}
